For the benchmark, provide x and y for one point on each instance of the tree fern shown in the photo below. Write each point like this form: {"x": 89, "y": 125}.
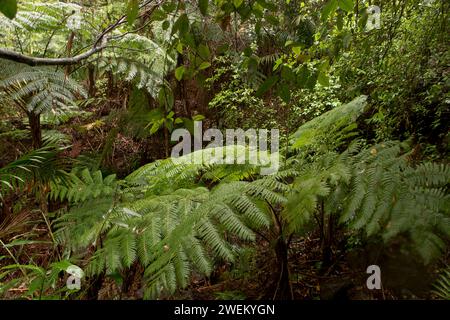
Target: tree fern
{"x": 34, "y": 169}
{"x": 331, "y": 128}
{"x": 139, "y": 59}
{"x": 83, "y": 185}
{"x": 169, "y": 229}
{"x": 40, "y": 89}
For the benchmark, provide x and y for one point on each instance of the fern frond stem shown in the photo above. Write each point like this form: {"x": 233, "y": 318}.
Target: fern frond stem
{"x": 261, "y": 235}
{"x": 277, "y": 219}
{"x": 15, "y": 260}
{"x": 98, "y": 236}
{"x": 63, "y": 21}
{"x": 50, "y": 232}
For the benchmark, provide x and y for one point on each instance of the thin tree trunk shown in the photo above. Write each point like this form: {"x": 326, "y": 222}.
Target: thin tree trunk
{"x": 91, "y": 81}
{"x": 166, "y": 142}
{"x": 69, "y": 51}
{"x": 327, "y": 238}
{"x": 35, "y": 127}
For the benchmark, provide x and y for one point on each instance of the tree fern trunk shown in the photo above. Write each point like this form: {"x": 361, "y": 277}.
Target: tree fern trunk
{"x": 283, "y": 290}
{"x": 327, "y": 253}
{"x": 35, "y": 127}
{"x": 326, "y": 237}
{"x": 91, "y": 81}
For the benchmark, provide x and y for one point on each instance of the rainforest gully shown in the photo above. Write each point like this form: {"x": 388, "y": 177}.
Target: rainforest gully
{"x": 257, "y": 150}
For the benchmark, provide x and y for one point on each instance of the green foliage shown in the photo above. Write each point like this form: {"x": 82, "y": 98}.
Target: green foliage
{"x": 389, "y": 197}
{"x": 265, "y": 64}
{"x": 132, "y": 11}
{"x": 82, "y": 185}
{"x": 307, "y": 104}
{"x": 378, "y": 191}
{"x": 332, "y": 128}
{"x": 168, "y": 229}
{"x": 409, "y": 46}
{"x": 33, "y": 170}
{"x": 442, "y": 285}
{"x": 140, "y": 59}
{"x": 39, "y": 89}
{"x": 8, "y": 8}
{"x": 39, "y": 280}
{"x": 237, "y": 103}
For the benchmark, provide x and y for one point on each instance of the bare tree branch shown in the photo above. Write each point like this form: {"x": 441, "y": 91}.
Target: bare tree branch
{"x": 35, "y": 61}
{"x": 98, "y": 45}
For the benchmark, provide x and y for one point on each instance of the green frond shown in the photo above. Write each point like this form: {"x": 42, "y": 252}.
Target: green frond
{"x": 442, "y": 285}
{"x": 330, "y": 124}
{"x": 83, "y": 186}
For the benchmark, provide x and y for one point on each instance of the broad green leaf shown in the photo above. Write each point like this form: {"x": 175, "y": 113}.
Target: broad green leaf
{"x": 198, "y": 117}
{"x": 204, "y": 65}
{"x": 132, "y": 11}
{"x": 155, "y": 127}
{"x": 248, "y": 51}
{"x": 302, "y": 76}
{"x": 269, "y": 83}
{"x": 237, "y": 3}
{"x": 312, "y": 80}
{"x": 244, "y": 12}
{"x": 8, "y": 8}
{"x": 203, "y": 52}
{"x": 347, "y": 5}
{"x": 277, "y": 64}
{"x": 267, "y": 5}
{"x": 272, "y": 20}
{"x": 179, "y": 72}
{"x": 181, "y": 25}
{"x": 166, "y": 25}
{"x": 329, "y": 9}
{"x": 179, "y": 48}
{"x": 287, "y": 74}
{"x": 323, "y": 79}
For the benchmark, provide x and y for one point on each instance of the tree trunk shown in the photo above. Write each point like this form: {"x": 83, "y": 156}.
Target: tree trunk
{"x": 283, "y": 289}
{"x": 35, "y": 127}
{"x": 166, "y": 142}
{"x": 69, "y": 51}
{"x": 327, "y": 239}
{"x": 91, "y": 81}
